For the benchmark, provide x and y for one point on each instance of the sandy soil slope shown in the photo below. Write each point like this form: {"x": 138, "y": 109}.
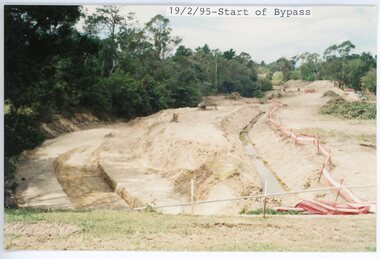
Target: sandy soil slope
{"x": 298, "y": 167}
{"x": 146, "y": 161}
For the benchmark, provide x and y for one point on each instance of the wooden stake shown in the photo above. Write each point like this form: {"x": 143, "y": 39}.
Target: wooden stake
{"x": 340, "y": 186}
{"x": 265, "y": 198}
{"x": 320, "y": 174}
{"x": 318, "y": 146}
{"x": 330, "y": 155}
{"x": 192, "y": 195}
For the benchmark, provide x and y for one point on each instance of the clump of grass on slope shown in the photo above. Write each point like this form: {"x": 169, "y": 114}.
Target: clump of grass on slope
{"x": 349, "y": 110}
{"x": 268, "y": 212}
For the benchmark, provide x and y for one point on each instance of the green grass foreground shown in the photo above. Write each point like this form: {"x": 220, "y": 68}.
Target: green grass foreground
{"x": 126, "y": 230}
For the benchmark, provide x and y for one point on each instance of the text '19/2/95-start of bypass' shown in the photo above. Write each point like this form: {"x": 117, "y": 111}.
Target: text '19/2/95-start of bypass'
{"x": 240, "y": 11}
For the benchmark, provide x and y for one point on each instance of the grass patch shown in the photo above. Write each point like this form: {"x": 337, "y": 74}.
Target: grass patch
{"x": 371, "y": 248}
{"x": 367, "y": 138}
{"x": 268, "y": 212}
{"x": 349, "y": 110}
{"x": 277, "y": 78}
{"x": 140, "y": 231}
{"x": 24, "y": 215}
{"x": 339, "y": 135}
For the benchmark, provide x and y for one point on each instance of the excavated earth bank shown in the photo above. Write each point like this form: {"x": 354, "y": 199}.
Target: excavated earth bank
{"x": 148, "y": 161}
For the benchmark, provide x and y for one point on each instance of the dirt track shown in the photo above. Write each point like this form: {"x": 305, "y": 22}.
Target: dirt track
{"x": 151, "y": 160}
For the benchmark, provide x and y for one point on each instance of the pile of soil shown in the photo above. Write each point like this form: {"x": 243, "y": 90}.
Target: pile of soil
{"x": 295, "y": 84}
{"x": 275, "y": 95}
{"x": 147, "y": 161}
{"x": 330, "y": 93}
{"x": 234, "y": 96}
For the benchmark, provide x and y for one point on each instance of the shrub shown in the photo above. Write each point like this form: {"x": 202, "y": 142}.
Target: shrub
{"x": 349, "y": 110}
{"x": 21, "y": 133}
{"x": 369, "y": 80}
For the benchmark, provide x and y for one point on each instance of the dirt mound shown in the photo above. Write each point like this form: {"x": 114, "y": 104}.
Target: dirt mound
{"x": 310, "y": 91}
{"x": 203, "y": 145}
{"x": 234, "y": 96}
{"x": 295, "y": 84}
{"x": 148, "y": 161}
{"x": 330, "y": 93}
{"x": 275, "y": 95}
{"x": 321, "y": 84}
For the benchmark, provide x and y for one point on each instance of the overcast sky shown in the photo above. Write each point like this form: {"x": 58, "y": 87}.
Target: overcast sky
{"x": 270, "y": 38}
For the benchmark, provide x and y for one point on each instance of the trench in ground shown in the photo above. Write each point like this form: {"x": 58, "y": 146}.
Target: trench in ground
{"x": 268, "y": 178}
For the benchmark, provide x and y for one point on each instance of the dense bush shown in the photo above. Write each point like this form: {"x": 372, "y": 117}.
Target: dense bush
{"x": 369, "y": 80}
{"x": 21, "y": 132}
{"x": 350, "y": 110}
{"x": 127, "y": 71}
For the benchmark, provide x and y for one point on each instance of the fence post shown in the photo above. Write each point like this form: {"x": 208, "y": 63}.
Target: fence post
{"x": 192, "y": 195}
{"x": 265, "y": 198}
{"x": 318, "y": 146}
{"x": 320, "y": 174}
{"x": 340, "y": 186}
{"x": 330, "y": 155}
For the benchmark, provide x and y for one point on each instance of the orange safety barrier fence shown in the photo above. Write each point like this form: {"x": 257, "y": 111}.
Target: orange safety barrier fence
{"x": 304, "y": 138}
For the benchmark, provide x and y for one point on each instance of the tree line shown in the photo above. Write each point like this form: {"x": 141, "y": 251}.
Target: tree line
{"x": 115, "y": 66}
{"x": 338, "y": 63}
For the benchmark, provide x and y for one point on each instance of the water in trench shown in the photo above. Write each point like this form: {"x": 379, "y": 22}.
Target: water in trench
{"x": 273, "y": 185}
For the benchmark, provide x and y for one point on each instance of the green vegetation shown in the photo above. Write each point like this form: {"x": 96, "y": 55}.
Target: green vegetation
{"x": 369, "y": 80}
{"x": 267, "y": 212}
{"x": 337, "y": 64}
{"x": 339, "y": 135}
{"x": 277, "y": 78}
{"x": 129, "y": 230}
{"x": 371, "y": 248}
{"x": 113, "y": 67}
{"x": 350, "y": 110}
